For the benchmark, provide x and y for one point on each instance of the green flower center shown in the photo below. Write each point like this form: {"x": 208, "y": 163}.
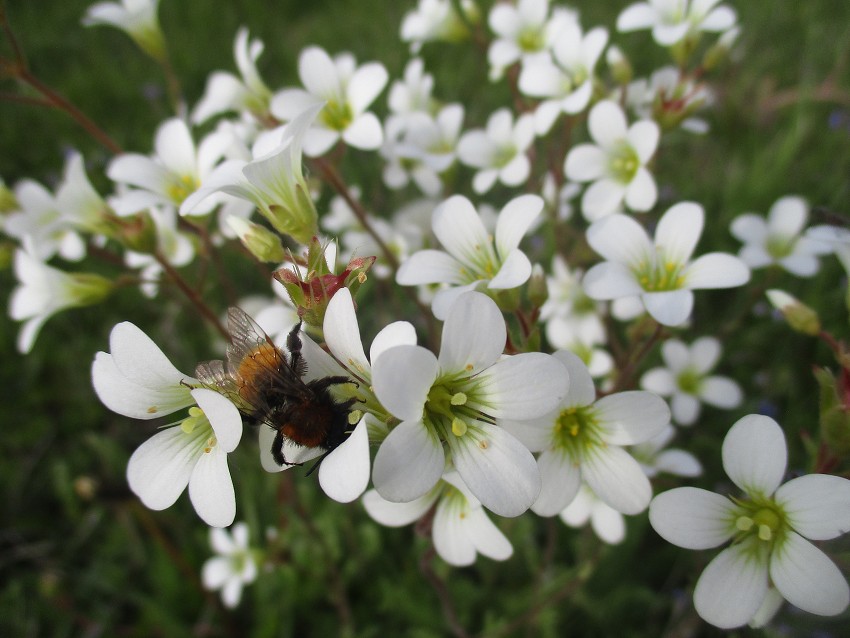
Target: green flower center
{"x": 659, "y": 275}
{"x": 504, "y": 156}
{"x": 577, "y": 431}
{"x": 624, "y": 163}
{"x": 780, "y": 247}
{"x": 197, "y": 420}
{"x": 181, "y": 187}
{"x": 761, "y": 522}
{"x": 336, "y": 116}
{"x": 531, "y": 39}
{"x": 689, "y": 381}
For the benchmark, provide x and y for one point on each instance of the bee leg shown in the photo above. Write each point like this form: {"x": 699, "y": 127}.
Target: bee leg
{"x": 277, "y": 450}
{"x": 318, "y": 462}
{"x": 320, "y": 385}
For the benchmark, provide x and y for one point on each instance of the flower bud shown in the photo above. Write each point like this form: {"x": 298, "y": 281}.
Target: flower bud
{"x": 621, "y": 68}
{"x": 538, "y": 291}
{"x": 138, "y": 233}
{"x": 259, "y": 240}
{"x": 834, "y": 414}
{"x": 799, "y": 316}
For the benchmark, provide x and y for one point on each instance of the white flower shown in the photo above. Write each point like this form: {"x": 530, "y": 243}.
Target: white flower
{"x": 174, "y": 246}
{"x": 226, "y": 92}
{"x": 346, "y": 91}
{"x": 768, "y": 527}
{"x": 43, "y": 291}
{"x": 565, "y": 79}
{"x": 273, "y": 181}
{"x": 38, "y": 221}
{"x": 437, "y": 20}
{"x": 607, "y": 523}
{"x": 836, "y": 238}
{"x": 137, "y": 380}
{"x": 655, "y": 457}
{"x": 137, "y": 18}
{"x": 458, "y": 401}
{"x": 616, "y": 164}
{"x": 233, "y": 567}
{"x": 581, "y": 439}
{"x": 80, "y": 204}
{"x": 522, "y": 31}
{"x": 472, "y": 257}
{"x": 461, "y": 528}
{"x": 499, "y": 151}
{"x": 778, "y": 240}
{"x": 670, "y": 98}
{"x": 172, "y": 175}
{"x": 673, "y": 20}
{"x": 659, "y": 271}
{"x": 413, "y": 94}
{"x": 687, "y": 381}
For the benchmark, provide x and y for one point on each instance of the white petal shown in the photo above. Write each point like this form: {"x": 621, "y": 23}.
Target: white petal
{"x": 643, "y": 136}
{"x": 658, "y": 380}
{"x": 641, "y": 193}
{"x": 460, "y": 230}
{"x": 430, "y": 267}
{"x": 409, "y": 462}
{"x": 749, "y": 228}
{"x": 611, "y": 280}
{"x": 293, "y": 453}
{"x": 731, "y": 589}
{"x": 582, "y": 391}
{"x": 138, "y": 170}
{"x": 631, "y": 417}
{"x": 211, "y": 489}
{"x": 679, "y": 230}
{"x": 586, "y": 163}
{"x": 670, "y": 308}
{"x": 617, "y": 479}
{"x": 216, "y": 571}
{"x": 704, "y": 354}
{"x": 560, "y": 480}
{"x": 522, "y": 386}
{"x": 678, "y": 463}
{"x": 473, "y": 335}
{"x": 608, "y": 523}
{"x": 692, "y": 518}
{"x": 498, "y": 469}
{"x": 817, "y": 505}
{"x": 319, "y": 74}
{"x": 639, "y": 15}
{"x": 159, "y": 469}
{"x": 721, "y": 392}
{"x": 365, "y": 85}
{"x": 807, "y": 578}
{"x": 344, "y": 474}
{"x": 398, "y": 514}
{"x": 755, "y": 455}
{"x": 223, "y": 417}
{"x": 448, "y": 534}
{"x": 487, "y": 538}
{"x": 175, "y": 147}
{"x": 231, "y": 593}
{"x": 607, "y": 123}
{"x": 716, "y": 270}
{"x": 515, "y": 271}
{"x": 397, "y": 333}
{"x": 483, "y": 180}
{"x": 603, "y": 197}
{"x": 402, "y": 378}
{"x": 514, "y": 220}
{"x": 685, "y": 408}
{"x": 342, "y": 334}
{"x": 621, "y": 239}
{"x": 140, "y": 360}
{"x": 364, "y": 133}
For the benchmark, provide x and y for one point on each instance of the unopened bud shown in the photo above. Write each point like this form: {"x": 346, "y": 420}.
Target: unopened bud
{"x": 260, "y": 241}
{"x": 621, "y": 68}
{"x": 799, "y": 316}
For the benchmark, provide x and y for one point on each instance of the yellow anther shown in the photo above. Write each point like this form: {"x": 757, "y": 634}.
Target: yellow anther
{"x": 458, "y": 427}
{"x": 744, "y": 523}
{"x": 765, "y": 533}
{"x": 458, "y": 398}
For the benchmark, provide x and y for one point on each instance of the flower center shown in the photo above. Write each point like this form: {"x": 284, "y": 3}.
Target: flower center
{"x": 336, "y": 116}
{"x": 780, "y": 247}
{"x": 197, "y": 420}
{"x": 689, "y": 381}
{"x": 181, "y": 187}
{"x": 660, "y": 274}
{"x": 531, "y": 39}
{"x": 624, "y": 162}
{"x": 760, "y": 522}
{"x": 576, "y": 431}
{"x": 504, "y": 156}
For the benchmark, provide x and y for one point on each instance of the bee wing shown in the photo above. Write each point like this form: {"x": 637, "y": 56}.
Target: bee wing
{"x": 247, "y": 339}
{"x": 214, "y": 375}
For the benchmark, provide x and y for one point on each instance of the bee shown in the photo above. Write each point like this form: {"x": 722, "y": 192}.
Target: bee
{"x": 269, "y": 388}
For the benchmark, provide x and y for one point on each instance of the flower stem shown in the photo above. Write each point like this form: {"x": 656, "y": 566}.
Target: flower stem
{"x": 191, "y": 295}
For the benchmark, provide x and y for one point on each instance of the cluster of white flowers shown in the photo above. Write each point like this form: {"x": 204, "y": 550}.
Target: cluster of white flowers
{"x": 490, "y": 420}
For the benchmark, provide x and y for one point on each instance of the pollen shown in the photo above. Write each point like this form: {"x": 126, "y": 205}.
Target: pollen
{"x": 469, "y": 367}
{"x": 458, "y": 398}
{"x": 152, "y": 410}
{"x": 210, "y": 444}
{"x": 484, "y": 444}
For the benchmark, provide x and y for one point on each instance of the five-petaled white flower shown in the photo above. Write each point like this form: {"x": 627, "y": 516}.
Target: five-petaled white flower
{"x": 457, "y": 401}
{"x": 616, "y": 163}
{"x": 659, "y": 271}
{"x": 137, "y": 380}
{"x": 437, "y": 20}
{"x": 346, "y": 91}
{"x": 582, "y": 439}
{"x": 234, "y": 565}
{"x": 687, "y": 381}
{"x": 472, "y": 257}
{"x": 461, "y": 528}
{"x": 768, "y": 526}
{"x": 498, "y": 152}
{"x": 673, "y": 20}
{"x": 565, "y": 79}
{"x": 778, "y": 240}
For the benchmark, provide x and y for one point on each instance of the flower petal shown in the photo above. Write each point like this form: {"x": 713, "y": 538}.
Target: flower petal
{"x": 721, "y": 392}
{"x": 522, "y": 386}
{"x": 402, "y": 378}
{"x": 755, "y": 455}
{"x": 460, "y": 230}
{"x": 620, "y": 239}
{"x": 679, "y": 230}
{"x": 430, "y": 267}
{"x": 631, "y": 417}
{"x": 223, "y": 416}
{"x": 159, "y": 469}
{"x": 692, "y": 518}
{"x": 607, "y": 123}
{"x": 485, "y": 536}
{"x": 807, "y": 578}
{"x": 611, "y": 280}
{"x": 211, "y": 489}
{"x": 560, "y": 479}
{"x": 398, "y": 514}
{"x": 473, "y": 335}
{"x": 581, "y": 391}
{"x": 514, "y": 220}
{"x": 617, "y": 479}
{"x": 671, "y": 308}
{"x": 448, "y": 534}
{"x": 409, "y": 462}
{"x": 364, "y": 133}
{"x": 731, "y": 588}
{"x": 498, "y": 469}
{"x": 342, "y": 333}
{"x": 344, "y": 474}
{"x": 585, "y": 163}
{"x": 716, "y": 270}
{"x": 817, "y": 505}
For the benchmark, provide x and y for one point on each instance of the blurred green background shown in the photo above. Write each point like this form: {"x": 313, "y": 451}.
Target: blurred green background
{"x": 80, "y": 556}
